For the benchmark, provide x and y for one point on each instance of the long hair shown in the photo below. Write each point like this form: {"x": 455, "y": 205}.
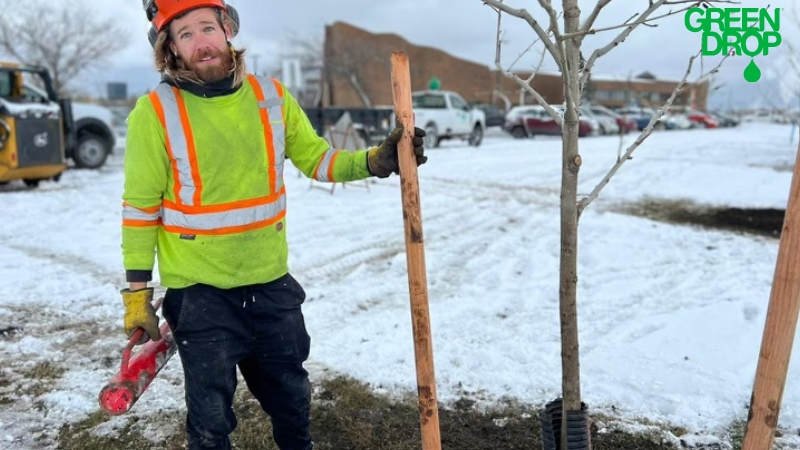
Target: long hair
{"x": 174, "y": 68}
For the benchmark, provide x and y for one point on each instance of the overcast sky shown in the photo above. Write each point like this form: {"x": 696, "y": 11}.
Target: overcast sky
{"x": 464, "y": 28}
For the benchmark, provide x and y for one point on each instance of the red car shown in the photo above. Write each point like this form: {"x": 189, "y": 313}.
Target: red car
{"x": 541, "y": 122}
{"x": 702, "y": 118}
{"x": 699, "y": 118}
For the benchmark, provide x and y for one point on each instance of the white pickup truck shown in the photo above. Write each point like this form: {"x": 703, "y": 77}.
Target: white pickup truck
{"x": 94, "y": 133}
{"x": 445, "y": 115}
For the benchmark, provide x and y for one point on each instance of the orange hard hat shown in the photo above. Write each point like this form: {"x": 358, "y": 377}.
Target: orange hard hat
{"x": 161, "y": 12}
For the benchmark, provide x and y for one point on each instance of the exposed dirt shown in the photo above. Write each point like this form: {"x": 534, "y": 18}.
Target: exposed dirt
{"x": 347, "y": 415}
{"x": 760, "y": 221}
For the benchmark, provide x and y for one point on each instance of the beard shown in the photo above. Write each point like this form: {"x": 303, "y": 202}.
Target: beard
{"x": 211, "y": 73}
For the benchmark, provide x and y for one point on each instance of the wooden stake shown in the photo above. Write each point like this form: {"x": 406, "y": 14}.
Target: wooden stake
{"x": 779, "y": 329}
{"x": 415, "y": 256}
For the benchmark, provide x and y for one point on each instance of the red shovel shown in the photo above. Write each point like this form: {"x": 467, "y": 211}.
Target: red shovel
{"x": 136, "y": 374}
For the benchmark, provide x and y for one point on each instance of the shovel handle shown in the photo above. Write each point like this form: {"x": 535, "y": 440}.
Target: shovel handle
{"x": 126, "y": 354}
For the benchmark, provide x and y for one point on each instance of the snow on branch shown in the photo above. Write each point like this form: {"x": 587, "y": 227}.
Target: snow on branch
{"x": 584, "y": 202}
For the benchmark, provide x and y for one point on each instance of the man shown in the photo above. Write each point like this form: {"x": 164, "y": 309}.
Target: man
{"x": 204, "y": 194}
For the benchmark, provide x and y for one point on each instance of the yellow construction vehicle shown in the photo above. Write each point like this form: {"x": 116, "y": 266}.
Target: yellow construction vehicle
{"x": 34, "y": 128}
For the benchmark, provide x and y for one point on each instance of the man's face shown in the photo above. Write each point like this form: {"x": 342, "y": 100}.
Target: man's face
{"x": 201, "y": 42}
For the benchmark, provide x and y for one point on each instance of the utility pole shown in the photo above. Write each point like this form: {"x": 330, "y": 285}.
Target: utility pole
{"x": 255, "y": 64}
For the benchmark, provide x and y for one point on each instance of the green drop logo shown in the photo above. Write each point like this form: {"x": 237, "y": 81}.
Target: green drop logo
{"x": 752, "y": 73}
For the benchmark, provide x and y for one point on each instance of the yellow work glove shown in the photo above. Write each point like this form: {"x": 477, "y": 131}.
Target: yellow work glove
{"x": 139, "y": 313}
{"x": 382, "y": 160}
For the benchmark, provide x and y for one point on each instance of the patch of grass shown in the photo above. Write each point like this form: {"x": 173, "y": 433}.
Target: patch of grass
{"x": 347, "y": 415}
{"x": 254, "y": 429}
{"x": 78, "y": 435}
{"x": 40, "y": 378}
{"x": 736, "y": 433}
{"x": 45, "y": 371}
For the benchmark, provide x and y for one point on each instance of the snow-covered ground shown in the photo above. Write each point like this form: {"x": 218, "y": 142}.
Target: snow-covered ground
{"x": 670, "y": 316}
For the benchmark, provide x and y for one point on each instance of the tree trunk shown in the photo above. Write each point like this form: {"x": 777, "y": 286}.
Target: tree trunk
{"x": 570, "y": 358}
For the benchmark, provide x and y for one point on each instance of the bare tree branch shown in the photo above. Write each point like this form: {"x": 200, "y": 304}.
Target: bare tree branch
{"x": 587, "y": 25}
{"x": 524, "y": 84}
{"x": 309, "y": 49}
{"x": 66, "y": 39}
{"x": 510, "y": 67}
{"x": 583, "y": 203}
{"x": 548, "y": 7}
{"x": 347, "y": 64}
{"x": 525, "y": 15}
{"x": 629, "y": 27}
{"x": 646, "y": 22}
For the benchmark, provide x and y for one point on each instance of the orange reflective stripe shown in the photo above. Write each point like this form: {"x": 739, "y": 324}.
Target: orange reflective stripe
{"x": 324, "y": 170}
{"x": 279, "y": 88}
{"x": 227, "y": 230}
{"x": 156, "y": 101}
{"x": 224, "y": 206}
{"x": 330, "y": 167}
{"x": 187, "y": 130}
{"x": 267, "y": 131}
{"x": 140, "y": 223}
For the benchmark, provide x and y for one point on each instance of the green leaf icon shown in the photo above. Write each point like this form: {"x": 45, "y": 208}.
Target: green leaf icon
{"x": 752, "y": 73}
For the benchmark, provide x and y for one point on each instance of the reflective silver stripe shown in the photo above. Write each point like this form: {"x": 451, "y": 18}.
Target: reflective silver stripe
{"x": 327, "y": 160}
{"x": 274, "y": 104}
{"x": 270, "y": 102}
{"x": 232, "y": 218}
{"x": 177, "y": 142}
{"x": 132, "y": 213}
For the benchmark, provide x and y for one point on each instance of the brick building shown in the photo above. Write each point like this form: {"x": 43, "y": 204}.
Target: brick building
{"x": 358, "y": 73}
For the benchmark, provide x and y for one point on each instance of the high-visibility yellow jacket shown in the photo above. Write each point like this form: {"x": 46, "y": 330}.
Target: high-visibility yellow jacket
{"x": 204, "y": 188}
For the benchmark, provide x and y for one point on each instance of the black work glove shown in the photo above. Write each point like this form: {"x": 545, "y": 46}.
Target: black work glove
{"x": 382, "y": 160}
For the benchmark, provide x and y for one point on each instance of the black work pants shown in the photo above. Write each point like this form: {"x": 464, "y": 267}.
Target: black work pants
{"x": 261, "y": 329}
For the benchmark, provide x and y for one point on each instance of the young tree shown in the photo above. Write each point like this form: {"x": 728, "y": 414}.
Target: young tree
{"x": 66, "y": 38}
{"x": 564, "y": 45}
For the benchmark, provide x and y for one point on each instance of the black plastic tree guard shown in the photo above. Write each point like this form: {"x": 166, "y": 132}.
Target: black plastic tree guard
{"x": 578, "y": 431}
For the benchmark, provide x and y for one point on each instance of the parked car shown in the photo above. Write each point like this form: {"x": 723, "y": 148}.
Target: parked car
{"x": 91, "y": 138}
{"x": 642, "y": 117}
{"x": 725, "y": 120}
{"x": 606, "y": 124}
{"x": 704, "y": 119}
{"x": 446, "y": 115}
{"x": 624, "y": 124}
{"x": 678, "y": 121}
{"x": 514, "y": 125}
{"x": 587, "y": 125}
{"x": 535, "y": 120}
{"x": 494, "y": 115}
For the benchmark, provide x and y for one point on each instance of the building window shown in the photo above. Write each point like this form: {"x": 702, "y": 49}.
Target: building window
{"x": 619, "y": 95}
{"x": 602, "y": 95}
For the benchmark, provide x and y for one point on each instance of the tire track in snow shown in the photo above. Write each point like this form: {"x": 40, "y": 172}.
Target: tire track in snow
{"x": 460, "y": 239}
{"x": 75, "y": 263}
